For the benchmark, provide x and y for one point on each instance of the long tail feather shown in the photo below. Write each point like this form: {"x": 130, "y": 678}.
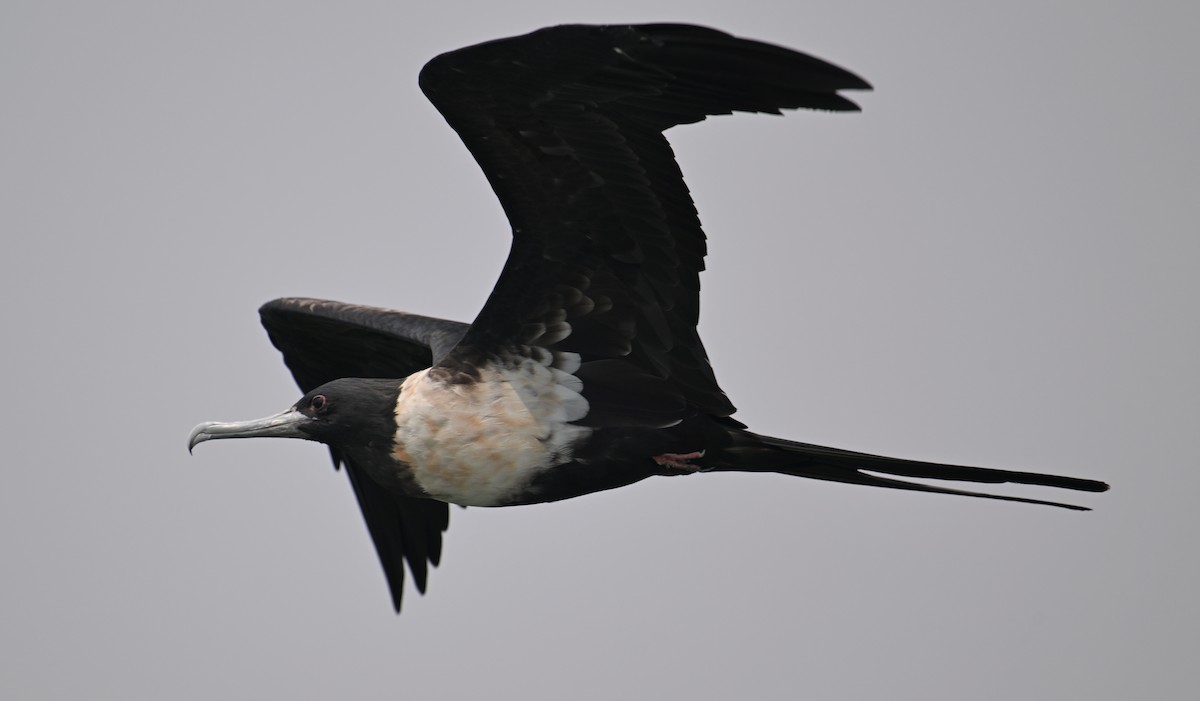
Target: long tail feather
{"x": 756, "y": 453}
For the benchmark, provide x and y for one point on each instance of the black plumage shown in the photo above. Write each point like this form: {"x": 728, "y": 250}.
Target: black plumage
{"x": 584, "y": 370}
{"x": 322, "y": 341}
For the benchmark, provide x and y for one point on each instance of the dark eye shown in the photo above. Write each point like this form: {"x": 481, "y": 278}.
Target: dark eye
{"x": 317, "y": 403}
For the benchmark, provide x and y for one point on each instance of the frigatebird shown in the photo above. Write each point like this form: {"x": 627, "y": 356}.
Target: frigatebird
{"x": 584, "y": 370}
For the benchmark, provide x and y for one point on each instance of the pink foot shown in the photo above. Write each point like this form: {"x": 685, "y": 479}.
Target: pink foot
{"x": 679, "y": 461}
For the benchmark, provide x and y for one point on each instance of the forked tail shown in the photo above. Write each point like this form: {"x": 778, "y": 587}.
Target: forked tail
{"x": 755, "y": 453}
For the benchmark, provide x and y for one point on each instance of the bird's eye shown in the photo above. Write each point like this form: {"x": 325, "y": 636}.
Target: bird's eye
{"x": 317, "y": 403}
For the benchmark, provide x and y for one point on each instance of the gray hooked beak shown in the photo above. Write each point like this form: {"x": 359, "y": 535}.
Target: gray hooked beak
{"x": 282, "y": 425}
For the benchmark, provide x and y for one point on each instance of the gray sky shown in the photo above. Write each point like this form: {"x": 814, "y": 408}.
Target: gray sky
{"x": 996, "y": 263}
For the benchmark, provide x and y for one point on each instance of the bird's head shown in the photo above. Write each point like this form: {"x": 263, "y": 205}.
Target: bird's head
{"x": 338, "y": 413}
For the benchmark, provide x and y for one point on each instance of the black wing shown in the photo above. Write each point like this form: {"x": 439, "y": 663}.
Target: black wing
{"x": 323, "y": 341}
{"x": 567, "y": 124}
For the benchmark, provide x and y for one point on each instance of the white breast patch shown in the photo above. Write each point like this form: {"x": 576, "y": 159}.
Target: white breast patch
{"x": 480, "y": 443}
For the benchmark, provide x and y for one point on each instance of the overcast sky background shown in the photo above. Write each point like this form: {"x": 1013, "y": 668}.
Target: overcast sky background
{"x": 995, "y": 263}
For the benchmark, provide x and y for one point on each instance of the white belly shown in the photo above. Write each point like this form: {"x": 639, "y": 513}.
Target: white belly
{"x": 481, "y": 443}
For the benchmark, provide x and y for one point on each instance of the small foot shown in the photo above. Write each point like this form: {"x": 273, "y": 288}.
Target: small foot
{"x": 679, "y": 462}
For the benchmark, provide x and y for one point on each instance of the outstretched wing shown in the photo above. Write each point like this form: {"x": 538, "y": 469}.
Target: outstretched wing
{"x": 567, "y": 124}
{"x": 323, "y": 341}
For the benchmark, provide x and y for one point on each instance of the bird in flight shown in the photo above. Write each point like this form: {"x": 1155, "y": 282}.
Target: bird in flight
{"x": 584, "y": 370}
